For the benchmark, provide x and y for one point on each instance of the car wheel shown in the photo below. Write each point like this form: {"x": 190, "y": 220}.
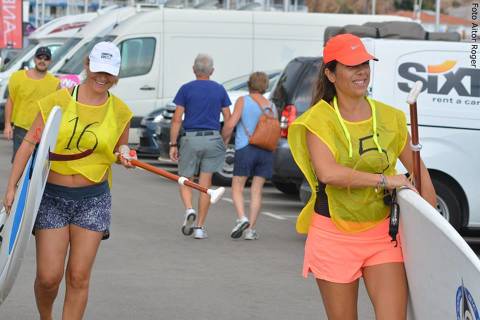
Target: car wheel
{"x": 224, "y": 176}
{"x": 287, "y": 187}
{"x": 447, "y": 203}
{"x": 305, "y": 192}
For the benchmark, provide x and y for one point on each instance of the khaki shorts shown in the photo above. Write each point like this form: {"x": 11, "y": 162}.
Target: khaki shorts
{"x": 200, "y": 151}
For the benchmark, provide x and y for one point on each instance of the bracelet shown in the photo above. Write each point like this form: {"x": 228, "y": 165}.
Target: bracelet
{"x": 173, "y": 145}
{"x": 382, "y": 184}
{"x": 31, "y": 142}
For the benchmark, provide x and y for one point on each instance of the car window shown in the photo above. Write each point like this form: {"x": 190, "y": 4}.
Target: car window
{"x": 20, "y": 56}
{"x": 137, "y": 56}
{"x": 63, "y": 50}
{"x": 306, "y": 86}
{"x": 74, "y": 65}
{"x": 285, "y": 86}
{"x": 234, "y": 84}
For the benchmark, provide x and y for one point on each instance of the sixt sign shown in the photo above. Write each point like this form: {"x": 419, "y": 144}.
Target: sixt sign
{"x": 442, "y": 79}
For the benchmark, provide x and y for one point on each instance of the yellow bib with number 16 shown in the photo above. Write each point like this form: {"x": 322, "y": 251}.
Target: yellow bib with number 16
{"x": 86, "y": 127}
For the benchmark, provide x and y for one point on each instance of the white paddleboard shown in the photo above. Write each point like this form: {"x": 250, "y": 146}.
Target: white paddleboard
{"x": 443, "y": 271}
{"x": 17, "y": 226}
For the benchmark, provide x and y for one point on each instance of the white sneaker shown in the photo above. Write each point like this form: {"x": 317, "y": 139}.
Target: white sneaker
{"x": 251, "y": 234}
{"x": 240, "y": 226}
{"x": 190, "y": 217}
{"x": 200, "y": 233}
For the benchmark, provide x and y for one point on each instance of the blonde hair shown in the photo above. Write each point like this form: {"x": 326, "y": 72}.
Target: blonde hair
{"x": 258, "y": 81}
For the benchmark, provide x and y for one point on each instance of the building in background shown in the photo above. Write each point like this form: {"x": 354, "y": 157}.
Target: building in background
{"x": 448, "y": 23}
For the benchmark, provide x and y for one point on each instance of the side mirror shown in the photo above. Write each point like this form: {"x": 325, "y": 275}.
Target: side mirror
{"x": 24, "y": 65}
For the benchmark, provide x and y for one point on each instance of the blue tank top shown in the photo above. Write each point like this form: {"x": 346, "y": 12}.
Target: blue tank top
{"x": 250, "y": 115}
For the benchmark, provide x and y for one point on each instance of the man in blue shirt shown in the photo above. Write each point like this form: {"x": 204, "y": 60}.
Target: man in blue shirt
{"x": 201, "y": 147}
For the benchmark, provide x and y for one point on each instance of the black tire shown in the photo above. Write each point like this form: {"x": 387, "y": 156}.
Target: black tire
{"x": 448, "y": 203}
{"x": 224, "y": 176}
{"x": 305, "y": 192}
{"x": 287, "y": 187}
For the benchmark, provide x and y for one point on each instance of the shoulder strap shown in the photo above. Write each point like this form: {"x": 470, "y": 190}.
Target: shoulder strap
{"x": 75, "y": 93}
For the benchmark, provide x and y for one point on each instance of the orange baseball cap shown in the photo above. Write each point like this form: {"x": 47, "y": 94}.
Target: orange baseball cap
{"x": 346, "y": 49}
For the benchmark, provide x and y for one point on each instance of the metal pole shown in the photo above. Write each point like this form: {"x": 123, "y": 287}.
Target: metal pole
{"x": 85, "y": 6}
{"x": 43, "y": 12}
{"x": 67, "y": 11}
{"x": 36, "y": 14}
{"x": 374, "y": 6}
{"x": 437, "y": 15}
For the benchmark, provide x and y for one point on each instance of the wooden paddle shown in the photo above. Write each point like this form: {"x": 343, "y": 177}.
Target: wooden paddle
{"x": 415, "y": 145}
{"x": 215, "y": 194}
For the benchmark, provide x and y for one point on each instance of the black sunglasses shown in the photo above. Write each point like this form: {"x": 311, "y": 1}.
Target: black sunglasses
{"x": 43, "y": 57}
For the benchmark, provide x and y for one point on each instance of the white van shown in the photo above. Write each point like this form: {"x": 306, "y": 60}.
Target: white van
{"x": 93, "y": 32}
{"x": 158, "y": 47}
{"x": 53, "y": 35}
{"x": 448, "y": 115}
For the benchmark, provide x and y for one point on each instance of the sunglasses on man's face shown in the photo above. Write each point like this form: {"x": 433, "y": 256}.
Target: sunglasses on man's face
{"x": 44, "y": 58}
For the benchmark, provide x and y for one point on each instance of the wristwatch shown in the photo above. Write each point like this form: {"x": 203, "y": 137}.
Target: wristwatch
{"x": 171, "y": 144}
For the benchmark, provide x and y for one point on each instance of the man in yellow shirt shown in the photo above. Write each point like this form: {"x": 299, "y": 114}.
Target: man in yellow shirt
{"x": 25, "y": 88}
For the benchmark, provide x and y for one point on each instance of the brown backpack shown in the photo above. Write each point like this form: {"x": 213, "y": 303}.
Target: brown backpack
{"x": 267, "y": 130}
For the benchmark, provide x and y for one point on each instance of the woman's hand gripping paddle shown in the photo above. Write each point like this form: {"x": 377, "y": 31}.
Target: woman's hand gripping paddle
{"x": 130, "y": 155}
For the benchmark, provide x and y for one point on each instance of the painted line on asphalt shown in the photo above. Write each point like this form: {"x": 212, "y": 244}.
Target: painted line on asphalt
{"x": 227, "y": 200}
{"x": 268, "y": 214}
{"x": 273, "y": 215}
{"x": 274, "y": 202}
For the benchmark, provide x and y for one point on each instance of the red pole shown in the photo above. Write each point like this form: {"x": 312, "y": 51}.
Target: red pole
{"x": 168, "y": 175}
{"x": 415, "y": 145}
{"x": 215, "y": 194}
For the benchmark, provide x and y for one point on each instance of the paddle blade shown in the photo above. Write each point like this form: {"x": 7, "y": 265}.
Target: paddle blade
{"x": 216, "y": 194}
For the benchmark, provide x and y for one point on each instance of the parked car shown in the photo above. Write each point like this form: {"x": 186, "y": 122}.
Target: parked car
{"x": 236, "y": 88}
{"x": 2, "y": 116}
{"x": 149, "y": 143}
{"x": 292, "y": 95}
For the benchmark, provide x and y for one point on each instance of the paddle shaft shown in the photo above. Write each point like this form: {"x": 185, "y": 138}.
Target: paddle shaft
{"x": 168, "y": 175}
{"x": 415, "y": 142}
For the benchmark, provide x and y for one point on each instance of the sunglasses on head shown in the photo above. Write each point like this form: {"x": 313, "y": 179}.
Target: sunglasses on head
{"x": 43, "y": 57}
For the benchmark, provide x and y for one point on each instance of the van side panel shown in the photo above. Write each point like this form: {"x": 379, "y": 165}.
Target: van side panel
{"x": 448, "y": 107}
{"x": 227, "y": 37}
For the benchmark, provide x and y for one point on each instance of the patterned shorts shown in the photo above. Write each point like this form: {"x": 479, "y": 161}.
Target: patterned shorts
{"x": 87, "y": 207}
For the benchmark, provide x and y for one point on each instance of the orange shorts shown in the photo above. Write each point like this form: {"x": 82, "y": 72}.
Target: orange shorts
{"x": 340, "y": 257}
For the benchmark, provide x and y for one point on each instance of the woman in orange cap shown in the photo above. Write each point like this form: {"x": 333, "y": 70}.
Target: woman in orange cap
{"x": 347, "y": 146}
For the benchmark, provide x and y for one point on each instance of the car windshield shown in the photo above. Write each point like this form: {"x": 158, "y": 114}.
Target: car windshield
{"x": 286, "y": 84}
{"x": 60, "y": 52}
{"x": 20, "y": 56}
{"x": 304, "y": 93}
{"x": 241, "y": 83}
{"x": 235, "y": 84}
{"x": 74, "y": 65}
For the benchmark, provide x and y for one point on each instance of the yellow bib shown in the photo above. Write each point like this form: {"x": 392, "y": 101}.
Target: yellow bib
{"x": 359, "y": 209}
{"x": 87, "y": 127}
{"x": 25, "y": 92}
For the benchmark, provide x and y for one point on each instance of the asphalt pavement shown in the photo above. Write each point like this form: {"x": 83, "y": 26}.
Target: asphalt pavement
{"x": 149, "y": 270}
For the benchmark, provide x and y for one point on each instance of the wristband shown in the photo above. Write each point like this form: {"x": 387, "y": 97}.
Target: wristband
{"x": 382, "y": 184}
